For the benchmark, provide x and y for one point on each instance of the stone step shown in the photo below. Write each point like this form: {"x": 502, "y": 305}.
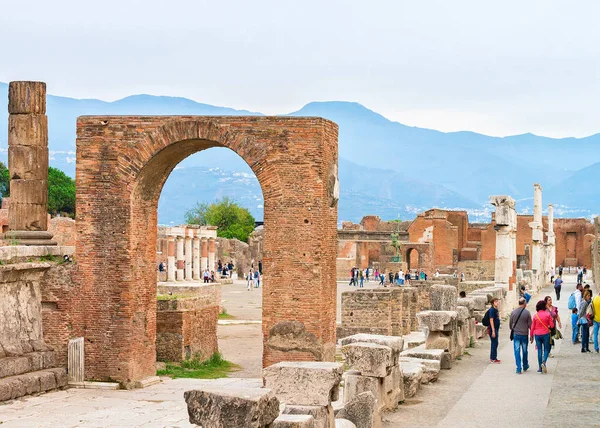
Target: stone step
{"x": 33, "y": 361}
{"x": 30, "y": 383}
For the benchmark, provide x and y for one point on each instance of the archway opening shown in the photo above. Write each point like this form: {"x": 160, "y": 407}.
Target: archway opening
{"x": 412, "y": 259}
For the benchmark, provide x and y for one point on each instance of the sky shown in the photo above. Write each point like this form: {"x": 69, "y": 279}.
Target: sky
{"x": 499, "y": 68}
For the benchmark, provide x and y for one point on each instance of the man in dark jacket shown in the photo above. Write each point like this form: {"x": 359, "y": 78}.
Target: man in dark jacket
{"x": 493, "y": 330}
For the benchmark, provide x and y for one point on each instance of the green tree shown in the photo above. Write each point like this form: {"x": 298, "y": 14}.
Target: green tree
{"x": 61, "y": 193}
{"x": 4, "y": 181}
{"x": 232, "y": 220}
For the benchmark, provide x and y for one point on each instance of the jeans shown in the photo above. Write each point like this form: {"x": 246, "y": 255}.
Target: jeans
{"x": 596, "y": 328}
{"x": 362, "y": 281}
{"x": 557, "y": 290}
{"x": 520, "y": 343}
{"x": 575, "y": 333}
{"x": 585, "y": 337}
{"x": 543, "y": 348}
{"x": 494, "y": 345}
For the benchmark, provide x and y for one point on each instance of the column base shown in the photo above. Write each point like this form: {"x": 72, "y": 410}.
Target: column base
{"x": 29, "y": 237}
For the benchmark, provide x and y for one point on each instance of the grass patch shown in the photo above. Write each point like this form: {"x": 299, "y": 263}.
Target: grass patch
{"x": 172, "y": 296}
{"x": 223, "y": 315}
{"x": 213, "y": 368}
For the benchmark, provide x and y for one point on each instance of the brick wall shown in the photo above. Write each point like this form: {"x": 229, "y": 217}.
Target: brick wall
{"x": 122, "y": 164}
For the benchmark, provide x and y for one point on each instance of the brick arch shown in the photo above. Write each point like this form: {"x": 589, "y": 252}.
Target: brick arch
{"x": 122, "y": 165}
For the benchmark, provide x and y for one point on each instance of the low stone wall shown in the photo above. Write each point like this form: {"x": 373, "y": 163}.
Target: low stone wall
{"x": 468, "y": 286}
{"x": 477, "y": 270}
{"x": 186, "y": 327}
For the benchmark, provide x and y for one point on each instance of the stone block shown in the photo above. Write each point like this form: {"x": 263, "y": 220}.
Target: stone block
{"x": 362, "y": 411}
{"x": 29, "y": 162}
{"x": 5, "y": 390}
{"x": 12, "y": 366}
{"x": 60, "y": 375}
{"x": 355, "y": 384}
{"x": 323, "y": 415}
{"x": 467, "y": 302}
{"x": 294, "y": 421}
{"x": 344, "y": 423}
{"x": 443, "y": 297}
{"x": 426, "y": 354}
{"x": 429, "y": 374}
{"x": 446, "y": 361}
{"x": 481, "y": 331}
{"x": 47, "y": 380}
{"x": 462, "y": 314}
{"x": 478, "y": 315}
{"x": 393, "y": 388}
{"x": 31, "y": 382}
{"x": 437, "y": 320}
{"x": 437, "y": 340}
{"x": 479, "y": 302}
{"x": 25, "y": 97}
{"x": 232, "y": 407}
{"x": 394, "y": 342}
{"x": 411, "y": 375}
{"x": 304, "y": 383}
{"x": 369, "y": 359}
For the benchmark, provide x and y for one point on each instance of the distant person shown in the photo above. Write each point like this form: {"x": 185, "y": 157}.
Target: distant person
{"x": 523, "y": 293}
{"x": 557, "y": 287}
{"x": 391, "y": 278}
{"x": 351, "y": 277}
{"x": 381, "y": 279}
{"x": 436, "y": 274}
{"x": 574, "y": 326}
{"x": 540, "y": 330}
{"x": 250, "y": 279}
{"x": 596, "y": 320}
{"x": 462, "y": 277}
{"x": 256, "y": 279}
{"x": 583, "y": 321}
{"x": 585, "y": 272}
{"x": 560, "y": 270}
{"x": 519, "y": 324}
{"x": 219, "y": 267}
{"x": 161, "y": 267}
{"x": 367, "y": 274}
{"x": 230, "y": 269}
{"x": 362, "y": 279}
{"x": 260, "y": 267}
{"x": 552, "y": 275}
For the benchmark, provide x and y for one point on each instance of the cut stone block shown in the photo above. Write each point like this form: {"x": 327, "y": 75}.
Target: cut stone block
{"x": 437, "y": 320}
{"x": 369, "y": 359}
{"x": 323, "y": 415}
{"x": 362, "y": 411}
{"x": 294, "y": 421}
{"x": 304, "y": 383}
{"x": 481, "y": 331}
{"x": 426, "y": 354}
{"x": 437, "y": 340}
{"x": 478, "y": 315}
{"x": 467, "y": 302}
{"x": 446, "y": 362}
{"x": 443, "y": 297}
{"x": 430, "y": 374}
{"x": 355, "y": 384}
{"x": 394, "y": 342}
{"x": 232, "y": 407}
{"x": 393, "y": 387}
{"x": 344, "y": 423}
{"x": 411, "y": 374}
{"x": 462, "y": 314}
{"x": 479, "y": 302}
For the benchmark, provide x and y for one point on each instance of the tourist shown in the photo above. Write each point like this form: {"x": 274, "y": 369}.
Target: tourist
{"x": 367, "y": 274}
{"x": 462, "y": 294}
{"x": 554, "y": 333}
{"x": 523, "y": 293}
{"x": 362, "y": 279}
{"x": 519, "y": 324}
{"x": 455, "y": 274}
{"x": 230, "y": 268}
{"x": 256, "y": 279}
{"x": 212, "y": 276}
{"x": 552, "y": 274}
{"x": 579, "y": 275}
{"x": 224, "y": 273}
{"x": 422, "y": 276}
{"x": 391, "y": 277}
{"x": 219, "y": 267}
{"x": 206, "y": 276}
{"x": 397, "y": 278}
{"x": 462, "y": 277}
{"x": 574, "y": 326}
{"x": 352, "y": 276}
{"x": 596, "y": 320}
{"x": 260, "y": 267}
{"x": 585, "y": 272}
{"x": 540, "y": 329}
{"x": 436, "y": 274}
{"x": 583, "y": 321}
{"x": 376, "y": 274}
{"x": 560, "y": 270}
{"x": 557, "y": 287}
{"x": 401, "y": 276}
{"x": 161, "y": 267}
{"x": 494, "y": 316}
{"x": 356, "y": 271}
{"x": 381, "y": 279}
{"x": 249, "y": 279}
{"x": 425, "y": 276}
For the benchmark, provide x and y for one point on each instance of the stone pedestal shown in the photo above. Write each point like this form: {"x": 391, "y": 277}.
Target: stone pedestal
{"x": 28, "y": 164}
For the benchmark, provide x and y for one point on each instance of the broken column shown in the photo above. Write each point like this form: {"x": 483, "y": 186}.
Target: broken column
{"x": 537, "y": 235}
{"x": 442, "y": 327}
{"x": 28, "y": 164}
{"x": 232, "y": 407}
{"x": 551, "y": 238}
{"x": 375, "y": 367}
{"x": 506, "y": 260}
{"x": 306, "y": 388}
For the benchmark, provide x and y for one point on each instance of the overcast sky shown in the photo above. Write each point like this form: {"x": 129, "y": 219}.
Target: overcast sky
{"x": 500, "y": 68}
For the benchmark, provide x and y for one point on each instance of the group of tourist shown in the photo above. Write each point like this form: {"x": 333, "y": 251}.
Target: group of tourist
{"x": 253, "y": 278}
{"x": 225, "y": 270}
{"x": 544, "y": 326}
{"x": 358, "y": 276}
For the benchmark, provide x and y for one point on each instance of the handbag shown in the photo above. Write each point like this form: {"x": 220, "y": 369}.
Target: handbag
{"x": 512, "y": 331}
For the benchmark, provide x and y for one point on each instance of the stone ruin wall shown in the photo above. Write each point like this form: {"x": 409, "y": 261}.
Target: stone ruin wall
{"x": 477, "y": 270}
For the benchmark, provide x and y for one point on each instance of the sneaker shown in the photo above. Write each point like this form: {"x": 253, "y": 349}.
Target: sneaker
{"x": 539, "y": 371}
{"x": 518, "y": 371}
{"x": 496, "y": 361}
{"x": 525, "y": 368}
{"x": 597, "y": 351}
{"x": 544, "y": 369}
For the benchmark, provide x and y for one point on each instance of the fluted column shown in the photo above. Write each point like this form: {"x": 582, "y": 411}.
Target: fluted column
{"x": 211, "y": 254}
{"x": 505, "y": 263}
{"x": 196, "y": 257}
{"x": 188, "y": 258}
{"x": 180, "y": 259}
{"x": 204, "y": 246}
{"x": 170, "y": 258}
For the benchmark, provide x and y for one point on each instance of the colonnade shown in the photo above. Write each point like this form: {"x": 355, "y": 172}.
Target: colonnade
{"x": 189, "y": 254}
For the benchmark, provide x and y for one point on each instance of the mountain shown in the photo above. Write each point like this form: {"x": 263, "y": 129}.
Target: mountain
{"x": 578, "y": 194}
{"x": 386, "y": 167}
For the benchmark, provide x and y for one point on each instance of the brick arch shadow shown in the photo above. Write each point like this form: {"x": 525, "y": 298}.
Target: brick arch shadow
{"x": 122, "y": 165}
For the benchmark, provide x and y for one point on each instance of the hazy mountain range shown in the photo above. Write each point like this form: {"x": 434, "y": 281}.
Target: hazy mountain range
{"x": 386, "y": 168}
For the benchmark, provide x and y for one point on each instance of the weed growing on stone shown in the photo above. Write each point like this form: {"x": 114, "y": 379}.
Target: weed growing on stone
{"x": 223, "y": 315}
{"x": 213, "y": 368}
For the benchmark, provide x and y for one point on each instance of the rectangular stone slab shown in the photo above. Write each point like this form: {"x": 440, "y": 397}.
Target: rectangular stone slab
{"x": 294, "y": 421}
{"x": 227, "y": 407}
{"x": 394, "y": 342}
{"x": 323, "y": 415}
{"x": 304, "y": 383}
{"x": 369, "y": 359}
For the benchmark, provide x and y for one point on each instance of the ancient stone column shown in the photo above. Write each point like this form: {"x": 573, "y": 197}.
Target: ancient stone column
{"x": 180, "y": 259}
{"x": 188, "y": 258}
{"x": 28, "y": 164}
{"x": 204, "y": 246}
{"x": 170, "y": 258}
{"x": 505, "y": 265}
{"x": 196, "y": 257}
{"x": 536, "y": 229}
{"x": 211, "y": 254}
{"x": 551, "y": 238}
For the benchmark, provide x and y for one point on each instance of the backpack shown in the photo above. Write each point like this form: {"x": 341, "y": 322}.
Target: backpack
{"x": 486, "y": 318}
{"x": 572, "y": 302}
